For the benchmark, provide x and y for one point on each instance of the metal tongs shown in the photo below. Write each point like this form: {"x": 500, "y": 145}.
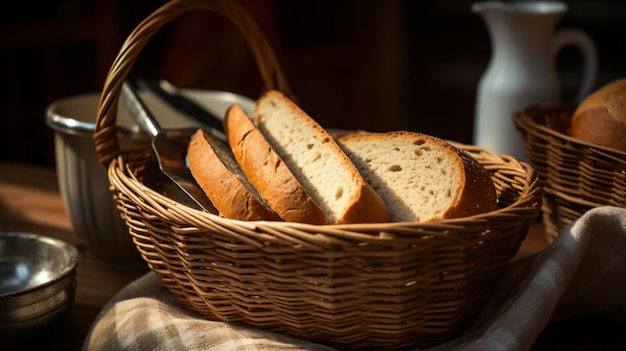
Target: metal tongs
{"x": 169, "y": 155}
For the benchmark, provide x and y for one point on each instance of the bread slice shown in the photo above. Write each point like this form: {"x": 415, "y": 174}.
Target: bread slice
{"x": 420, "y": 177}
{"x": 214, "y": 168}
{"x": 317, "y": 161}
{"x": 267, "y": 172}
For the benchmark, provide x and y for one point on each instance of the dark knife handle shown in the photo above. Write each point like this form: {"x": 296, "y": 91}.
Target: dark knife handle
{"x": 183, "y": 104}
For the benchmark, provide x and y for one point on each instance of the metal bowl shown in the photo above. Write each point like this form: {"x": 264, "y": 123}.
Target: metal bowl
{"x": 83, "y": 181}
{"x": 37, "y": 284}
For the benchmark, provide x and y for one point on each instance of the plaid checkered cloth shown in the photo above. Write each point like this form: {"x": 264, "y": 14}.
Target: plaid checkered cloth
{"x": 583, "y": 272}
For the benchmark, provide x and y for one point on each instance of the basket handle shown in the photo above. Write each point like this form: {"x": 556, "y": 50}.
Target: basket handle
{"x": 105, "y": 133}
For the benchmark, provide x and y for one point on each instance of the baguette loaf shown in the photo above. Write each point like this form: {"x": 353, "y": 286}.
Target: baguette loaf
{"x": 214, "y": 168}
{"x": 267, "y": 172}
{"x": 318, "y": 162}
{"x": 421, "y": 178}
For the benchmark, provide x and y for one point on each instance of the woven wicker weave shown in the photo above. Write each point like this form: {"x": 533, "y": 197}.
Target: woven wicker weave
{"x": 377, "y": 286}
{"x": 577, "y": 175}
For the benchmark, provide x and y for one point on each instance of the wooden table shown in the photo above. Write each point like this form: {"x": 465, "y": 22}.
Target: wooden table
{"x": 30, "y": 202}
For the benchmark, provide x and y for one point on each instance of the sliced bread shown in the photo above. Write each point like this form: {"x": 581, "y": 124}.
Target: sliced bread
{"x": 316, "y": 160}
{"x": 267, "y": 172}
{"x": 420, "y": 177}
{"x": 214, "y": 168}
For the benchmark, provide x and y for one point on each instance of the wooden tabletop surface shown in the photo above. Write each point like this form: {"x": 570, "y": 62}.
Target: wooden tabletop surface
{"x": 30, "y": 202}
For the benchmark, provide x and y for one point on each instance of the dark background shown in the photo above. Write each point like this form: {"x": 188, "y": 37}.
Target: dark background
{"x": 375, "y": 64}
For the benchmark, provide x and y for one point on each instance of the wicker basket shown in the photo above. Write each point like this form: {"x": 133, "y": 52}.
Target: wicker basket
{"x": 577, "y": 175}
{"x": 377, "y": 286}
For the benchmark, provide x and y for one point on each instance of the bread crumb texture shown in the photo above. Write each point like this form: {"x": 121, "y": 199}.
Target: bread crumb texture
{"x": 312, "y": 155}
{"x": 303, "y": 146}
{"x": 420, "y": 177}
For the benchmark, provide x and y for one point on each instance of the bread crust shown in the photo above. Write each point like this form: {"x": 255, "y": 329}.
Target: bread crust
{"x": 221, "y": 184}
{"x": 366, "y": 206}
{"x": 267, "y": 172}
{"x": 601, "y": 116}
{"x": 476, "y": 194}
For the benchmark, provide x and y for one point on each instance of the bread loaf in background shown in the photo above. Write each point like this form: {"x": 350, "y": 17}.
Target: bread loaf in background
{"x": 421, "y": 178}
{"x": 267, "y": 172}
{"x": 601, "y": 117}
{"x": 316, "y": 160}
{"x": 214, "y": 168}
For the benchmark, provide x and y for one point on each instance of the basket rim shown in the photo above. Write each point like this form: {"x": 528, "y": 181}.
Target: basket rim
{"x": 525, "y": 207}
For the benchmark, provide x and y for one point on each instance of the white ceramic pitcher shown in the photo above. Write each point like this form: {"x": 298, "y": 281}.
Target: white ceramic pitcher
{"x": 521, "y": 70}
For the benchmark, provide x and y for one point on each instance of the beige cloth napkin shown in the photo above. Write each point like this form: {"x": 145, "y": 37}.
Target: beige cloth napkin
{"x": 583, "y": 272}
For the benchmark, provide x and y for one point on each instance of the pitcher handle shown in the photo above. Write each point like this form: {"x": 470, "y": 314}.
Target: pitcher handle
{"x": 580, "y": 40}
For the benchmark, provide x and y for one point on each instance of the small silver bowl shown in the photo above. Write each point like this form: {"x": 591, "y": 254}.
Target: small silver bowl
{"x": 37, "y": 284}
